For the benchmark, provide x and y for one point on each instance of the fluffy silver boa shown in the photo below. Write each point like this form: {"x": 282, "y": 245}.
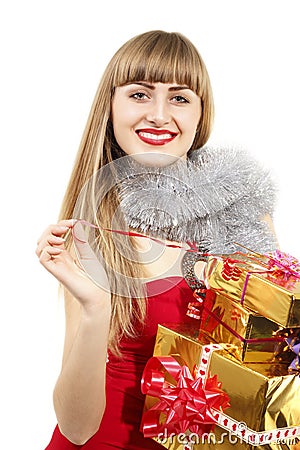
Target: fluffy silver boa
{"x": 216, "y": 198}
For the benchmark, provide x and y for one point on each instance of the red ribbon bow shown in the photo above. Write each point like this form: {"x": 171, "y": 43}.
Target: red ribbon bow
{"x": 280, "y": 267}
{"x": 185, "y": 406}
{"x": 284, "y": 265}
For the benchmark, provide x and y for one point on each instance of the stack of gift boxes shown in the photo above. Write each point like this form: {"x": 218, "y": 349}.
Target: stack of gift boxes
{"x": 231, "y": 379}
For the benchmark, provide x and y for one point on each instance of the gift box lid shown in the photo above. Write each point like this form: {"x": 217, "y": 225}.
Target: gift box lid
{"x": 252, "y": 286}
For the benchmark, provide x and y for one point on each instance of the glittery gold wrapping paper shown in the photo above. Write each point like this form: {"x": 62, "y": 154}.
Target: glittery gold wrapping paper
{"x": 262, "y": 403}
{"x": 278, "y": 302}
{"x": 224, "y": 320}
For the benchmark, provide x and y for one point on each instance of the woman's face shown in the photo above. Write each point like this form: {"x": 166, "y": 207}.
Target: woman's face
{"x": 155, "y": 117}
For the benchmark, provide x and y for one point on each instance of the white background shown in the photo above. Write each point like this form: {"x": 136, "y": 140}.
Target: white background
{"x": 52, "y": 56}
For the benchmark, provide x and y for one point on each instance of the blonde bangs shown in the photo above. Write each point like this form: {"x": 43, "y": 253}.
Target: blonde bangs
{"x": 160, "y": 57}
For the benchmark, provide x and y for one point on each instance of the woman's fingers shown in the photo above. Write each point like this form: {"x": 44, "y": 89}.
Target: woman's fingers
{"x": 59, "y": 262}
{"x": 53, "y": 235}
{"x": 82, "y": 278}
{"x": 49, "y": 253}
{"x": 55, "y": 230}
{"x": 56, "y": 240}
{"x": 58, "y": 229}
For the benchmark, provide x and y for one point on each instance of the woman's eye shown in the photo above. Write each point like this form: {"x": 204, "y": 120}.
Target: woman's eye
{"x": 180, "y": 99}
{"x": 138, "y": 96}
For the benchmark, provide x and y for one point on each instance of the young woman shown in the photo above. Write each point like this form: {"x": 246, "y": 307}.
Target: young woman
{"x": 154, "y": 98}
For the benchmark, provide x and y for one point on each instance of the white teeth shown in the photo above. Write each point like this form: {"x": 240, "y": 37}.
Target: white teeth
{"x": 157, "y": 137}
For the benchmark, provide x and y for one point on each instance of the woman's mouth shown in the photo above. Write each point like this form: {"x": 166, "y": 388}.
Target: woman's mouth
{"x": 156, "y": 137}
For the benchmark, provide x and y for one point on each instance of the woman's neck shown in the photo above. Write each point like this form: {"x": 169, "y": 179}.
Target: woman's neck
{"x": 158, "y": 260}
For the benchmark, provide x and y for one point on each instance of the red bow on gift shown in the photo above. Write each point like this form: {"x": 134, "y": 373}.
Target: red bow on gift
{"x": 185, "y": 406}
{"x": 284, "y": 265}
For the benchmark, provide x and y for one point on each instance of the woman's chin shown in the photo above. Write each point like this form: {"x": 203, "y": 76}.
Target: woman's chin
{"x": 155, "y": 157}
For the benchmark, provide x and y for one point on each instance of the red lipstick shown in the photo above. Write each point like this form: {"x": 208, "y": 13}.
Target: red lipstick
{"x": 154, "y": 136}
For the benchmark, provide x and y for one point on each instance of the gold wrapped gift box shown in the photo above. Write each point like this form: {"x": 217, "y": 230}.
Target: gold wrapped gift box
{"x": 254, "y": 287}
{"x": 263, "y": 403}
{"x": 252, "y": 335}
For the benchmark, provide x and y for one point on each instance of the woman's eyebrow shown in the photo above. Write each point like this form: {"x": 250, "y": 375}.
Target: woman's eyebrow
{"x": 142, "y": 83}
{"x": 151, "y": 86}
{"x": 179, "y": 88}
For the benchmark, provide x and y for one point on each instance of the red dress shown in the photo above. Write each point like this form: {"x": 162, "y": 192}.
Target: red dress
{"x": 119, "y": 428}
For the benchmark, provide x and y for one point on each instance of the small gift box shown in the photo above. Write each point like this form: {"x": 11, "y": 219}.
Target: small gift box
{"x": 267, "y": 285}
{"x": 181, "y": 408}
{"x": 254, "y": 338}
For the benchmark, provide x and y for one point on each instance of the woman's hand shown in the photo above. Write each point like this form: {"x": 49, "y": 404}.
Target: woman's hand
{"x": 89, "y": 290}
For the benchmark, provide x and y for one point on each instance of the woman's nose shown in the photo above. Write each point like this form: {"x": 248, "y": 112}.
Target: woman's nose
{"x": 158, "y": 113}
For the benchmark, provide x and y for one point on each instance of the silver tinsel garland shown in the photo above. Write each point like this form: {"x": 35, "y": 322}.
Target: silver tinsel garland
{"x": 216, "y": 198}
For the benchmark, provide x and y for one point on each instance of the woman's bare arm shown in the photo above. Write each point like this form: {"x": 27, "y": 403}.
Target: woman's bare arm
{"x": 79, "y": 394}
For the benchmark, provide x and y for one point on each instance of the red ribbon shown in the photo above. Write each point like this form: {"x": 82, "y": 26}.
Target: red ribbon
{"x": 198, "y": 310}
{"x": 192, "y": 245}
{"x": 187, "y": 405}
{"x": 154, "y": 382}
{"x": 281, "y": 268}
{"x": 277, "y": 264}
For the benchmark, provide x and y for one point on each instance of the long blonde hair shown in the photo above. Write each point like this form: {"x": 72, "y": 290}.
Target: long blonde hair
{"x": 154, "y": 56}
